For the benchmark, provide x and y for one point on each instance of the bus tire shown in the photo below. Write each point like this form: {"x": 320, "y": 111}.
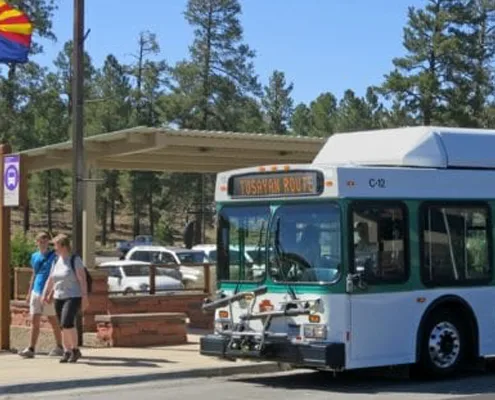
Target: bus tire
{"x": 444, "y": 346}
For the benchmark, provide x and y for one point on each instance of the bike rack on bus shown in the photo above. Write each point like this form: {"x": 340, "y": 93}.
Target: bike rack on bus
{"x": 292, "y": 308}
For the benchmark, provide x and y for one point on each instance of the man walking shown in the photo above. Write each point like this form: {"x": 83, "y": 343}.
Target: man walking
{"x": 41, "y": 262}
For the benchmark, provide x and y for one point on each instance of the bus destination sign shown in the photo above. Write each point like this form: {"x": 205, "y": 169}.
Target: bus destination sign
{"x": 276, "y": 184}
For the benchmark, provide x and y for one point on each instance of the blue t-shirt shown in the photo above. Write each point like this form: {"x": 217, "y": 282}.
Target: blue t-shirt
{"x": 42, "y": 264}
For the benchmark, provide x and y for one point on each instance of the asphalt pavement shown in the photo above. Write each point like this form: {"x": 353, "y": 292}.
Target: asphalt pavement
{"x": 293, "y": 385}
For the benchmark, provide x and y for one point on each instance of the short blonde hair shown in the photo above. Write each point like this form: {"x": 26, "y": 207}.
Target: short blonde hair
{"x": 62, "y": 239}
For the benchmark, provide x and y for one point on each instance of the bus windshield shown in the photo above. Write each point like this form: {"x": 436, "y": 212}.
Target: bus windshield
{"x": 305, "y": 243}
{"x": 242, "y": 228}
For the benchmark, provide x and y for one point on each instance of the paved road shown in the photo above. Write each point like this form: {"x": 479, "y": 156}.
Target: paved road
{"x": 302, "y": 385}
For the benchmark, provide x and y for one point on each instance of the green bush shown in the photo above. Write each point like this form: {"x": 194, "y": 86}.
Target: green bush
{"x": 21, "y": 248}
{"x": 164, "y": 233}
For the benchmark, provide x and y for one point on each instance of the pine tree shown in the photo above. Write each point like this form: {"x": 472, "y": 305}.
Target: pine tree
{"x": 112, "y": 111}
{"x": 218, "y": 54}
{"x": 323, "y": 115}
{"x": 419, "y": 78}
{"x": 46, "y": 115}
{"x": 150, "y": 79}
{"x": 277, "y": 103}
{"x": 301, "y": 120}
{"x": 473, "y": 79}
{"x": 63, "y": 65}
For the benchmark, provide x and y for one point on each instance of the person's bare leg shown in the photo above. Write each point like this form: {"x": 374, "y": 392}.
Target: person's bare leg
{"x": 66, "y": 340}
{"x": 76, "y": 353}
{"x": 56, "y": 330}
{"x": 72, "y": 334}
{"x": 35, "y": 330}
{"x": 58, "y": 349}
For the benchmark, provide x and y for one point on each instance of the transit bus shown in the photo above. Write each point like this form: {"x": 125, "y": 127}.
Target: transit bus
{"x": 378, "y": 253}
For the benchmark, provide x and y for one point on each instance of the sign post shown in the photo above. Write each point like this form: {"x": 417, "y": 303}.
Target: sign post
{"x": 5, "y": 282}
{"x": 13, "y": 194}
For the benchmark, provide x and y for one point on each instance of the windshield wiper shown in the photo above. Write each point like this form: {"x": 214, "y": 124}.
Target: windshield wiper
{"x": 278, "y": 252}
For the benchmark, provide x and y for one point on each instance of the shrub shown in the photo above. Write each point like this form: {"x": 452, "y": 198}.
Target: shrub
{"x": 21, "y": 248}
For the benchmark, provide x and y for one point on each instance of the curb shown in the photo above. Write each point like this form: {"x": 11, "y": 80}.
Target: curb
{"x": 120, "y": 380}
{"x": 255, "y": 368}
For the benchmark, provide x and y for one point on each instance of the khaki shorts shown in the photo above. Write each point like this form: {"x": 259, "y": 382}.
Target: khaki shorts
{"x": 37, "y": 307}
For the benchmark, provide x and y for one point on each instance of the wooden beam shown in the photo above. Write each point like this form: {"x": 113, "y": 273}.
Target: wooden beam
{"x": 202, "y": 159}
{"x": 170, "y": 167}
{"x": 43, "y": 163}
{"x": 222, "y": 153}
{"x": 227, "y": 143}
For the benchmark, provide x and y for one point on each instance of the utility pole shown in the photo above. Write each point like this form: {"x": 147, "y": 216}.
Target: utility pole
{"x": 78, "y": 171}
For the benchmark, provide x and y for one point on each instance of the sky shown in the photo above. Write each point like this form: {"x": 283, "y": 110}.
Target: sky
{"x": 320, "y": 45}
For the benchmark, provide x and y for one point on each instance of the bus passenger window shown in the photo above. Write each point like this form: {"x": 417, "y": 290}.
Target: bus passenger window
{"x": 455, "y": 244}
{"x": 379, "y": 242}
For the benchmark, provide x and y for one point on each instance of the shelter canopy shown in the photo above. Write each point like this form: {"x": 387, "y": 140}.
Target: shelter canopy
{"x": 156, "y": 149}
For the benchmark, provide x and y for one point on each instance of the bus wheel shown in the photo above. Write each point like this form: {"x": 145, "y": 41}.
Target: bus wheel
{"x": 443, "y": 345}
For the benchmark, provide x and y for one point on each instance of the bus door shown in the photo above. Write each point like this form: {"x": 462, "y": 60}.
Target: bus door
{"x": 380, "y": 331}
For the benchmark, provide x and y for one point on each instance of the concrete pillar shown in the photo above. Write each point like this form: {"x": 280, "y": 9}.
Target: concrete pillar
{"x": 89, "y": 224}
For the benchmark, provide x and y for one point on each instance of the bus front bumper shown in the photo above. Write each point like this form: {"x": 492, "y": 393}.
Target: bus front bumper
{"x": 311, "y": 355}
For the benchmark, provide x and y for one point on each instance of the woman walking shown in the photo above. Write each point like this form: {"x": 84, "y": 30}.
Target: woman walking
{"x": 67, "y": 286}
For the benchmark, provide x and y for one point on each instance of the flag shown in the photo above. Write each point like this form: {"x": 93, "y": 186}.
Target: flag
{"x": 15, "y": 34}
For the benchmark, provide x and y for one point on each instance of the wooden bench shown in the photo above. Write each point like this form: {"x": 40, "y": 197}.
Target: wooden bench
{"x": 141, "y": 330}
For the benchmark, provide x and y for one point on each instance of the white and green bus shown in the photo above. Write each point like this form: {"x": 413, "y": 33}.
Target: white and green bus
{"x": 378, "y": 253}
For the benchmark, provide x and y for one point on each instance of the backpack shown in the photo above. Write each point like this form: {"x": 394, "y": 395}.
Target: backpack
{"x": 89, "y": 279}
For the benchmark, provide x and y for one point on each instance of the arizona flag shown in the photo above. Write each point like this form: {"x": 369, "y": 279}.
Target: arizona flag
{"x": 15, "y": 34}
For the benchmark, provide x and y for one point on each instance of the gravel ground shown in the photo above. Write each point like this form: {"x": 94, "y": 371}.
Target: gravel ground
{"x": 19, "y": 339}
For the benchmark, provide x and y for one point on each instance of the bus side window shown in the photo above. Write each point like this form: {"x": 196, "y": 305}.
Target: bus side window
{"x": 379, "y": 249}
{"x": 455, "y": 244}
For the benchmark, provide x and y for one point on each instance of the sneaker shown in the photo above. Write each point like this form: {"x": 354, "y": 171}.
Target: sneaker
{"x": 56, "y": 352}
{"x": 75, "y": 355}
{"x": 27, "y": 353}
{"x": 65, "y": 357}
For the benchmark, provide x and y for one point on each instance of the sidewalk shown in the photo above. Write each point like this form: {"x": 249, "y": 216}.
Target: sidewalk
{"x": 116, "y": 366}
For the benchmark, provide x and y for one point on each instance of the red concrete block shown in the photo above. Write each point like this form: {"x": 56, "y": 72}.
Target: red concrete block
{"x": 142, "y": 329}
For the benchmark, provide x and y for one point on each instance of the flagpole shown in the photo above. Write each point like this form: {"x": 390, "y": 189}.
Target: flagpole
{"x": 78, "y": 138}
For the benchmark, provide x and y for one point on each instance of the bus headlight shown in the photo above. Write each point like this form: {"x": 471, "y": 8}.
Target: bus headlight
{"x": 222, "y": 325}
{"x": 315, "y": 331}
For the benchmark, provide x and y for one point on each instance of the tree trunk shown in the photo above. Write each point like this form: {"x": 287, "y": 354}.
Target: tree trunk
{"x": 112, "y": 212}
{"x": 150, "y": 210}
{"x": 26, "y": 217}
{"x": 113, "y": 205}
{"x": 135, "y": 209}
{"x": 104, "y": 221}
{"x": 49, "y": 201}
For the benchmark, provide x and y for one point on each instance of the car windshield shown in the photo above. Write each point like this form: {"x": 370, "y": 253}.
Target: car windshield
{"x": 240, "y": 227}
{"x": 305, "y": 243}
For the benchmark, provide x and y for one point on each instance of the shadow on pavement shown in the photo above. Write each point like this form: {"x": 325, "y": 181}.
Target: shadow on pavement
{"x": 74, "y": 383}
{"x": 81, "y": 383}
{"x": 375, "y": 382}
{"x": 123, "y": 362}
